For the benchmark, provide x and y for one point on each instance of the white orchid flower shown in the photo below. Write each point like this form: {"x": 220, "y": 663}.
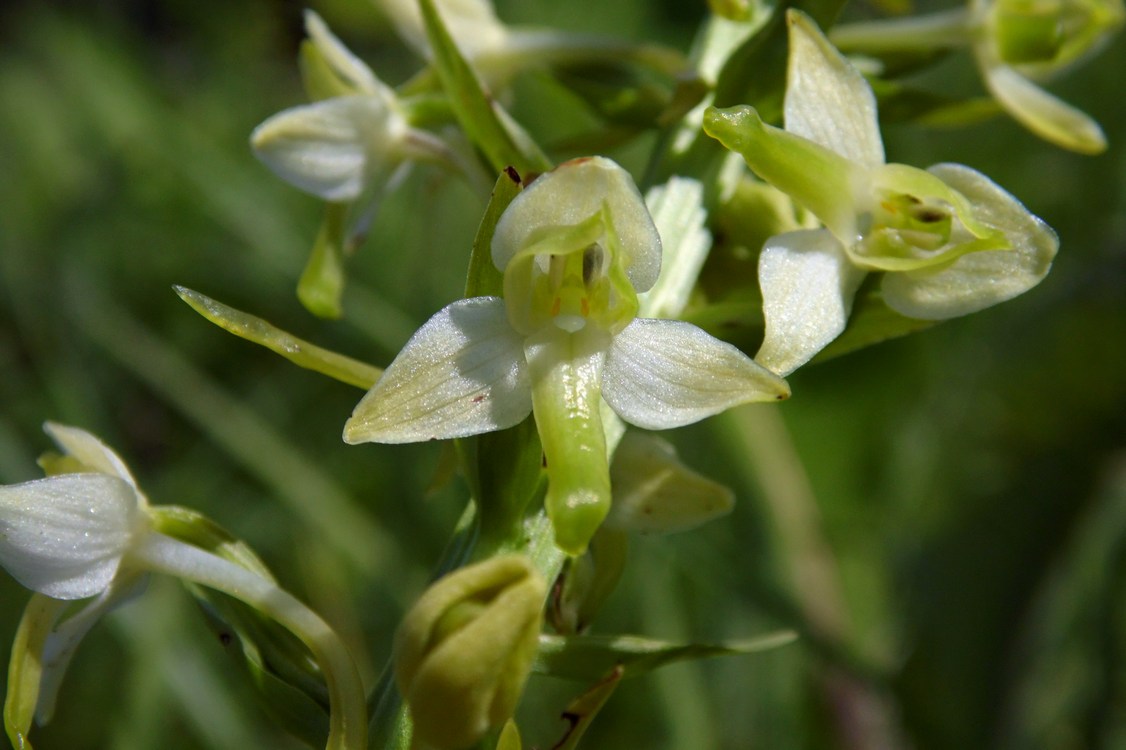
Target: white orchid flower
{"x": 948, "y": 240}
{"x": 1016, "y": 43}
{"x": 350, "y": 143}
{"x": 351, "y": 147}
{"x": 575, "y": 247}
{"x": 89, "y": 532}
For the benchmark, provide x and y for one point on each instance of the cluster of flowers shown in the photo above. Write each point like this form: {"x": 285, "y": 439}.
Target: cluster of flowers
{"x": 578, "y": 250}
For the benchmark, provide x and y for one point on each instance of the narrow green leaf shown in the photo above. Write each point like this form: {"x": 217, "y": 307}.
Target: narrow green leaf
{"x": 504, "y": 468}
{"x": 283, "y": 655}
{"x": 587, "y": 657}
{"x": 298, "y": 351}
{"x": 509, "y": 474}
{"x": 198, "y": 530}
{"x": 582, "y": 710}
{"x": 483, "y": 120}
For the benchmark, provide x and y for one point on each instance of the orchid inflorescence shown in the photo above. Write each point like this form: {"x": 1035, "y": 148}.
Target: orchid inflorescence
{"x": 568, "y": 330}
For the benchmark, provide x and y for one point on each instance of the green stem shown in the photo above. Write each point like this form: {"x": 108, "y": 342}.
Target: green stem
{"x": 348, "y": 711}
{"x": 916, "y": 34}
{"x": 861, "y": 714}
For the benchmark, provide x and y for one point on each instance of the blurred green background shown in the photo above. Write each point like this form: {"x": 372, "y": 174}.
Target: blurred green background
{"x": 969, "y": 481}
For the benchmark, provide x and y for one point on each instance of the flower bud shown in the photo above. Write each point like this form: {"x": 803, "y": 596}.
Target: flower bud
{"x": 464, "y": 651}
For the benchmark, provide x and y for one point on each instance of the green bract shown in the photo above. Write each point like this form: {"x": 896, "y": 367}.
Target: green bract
{"x": 948, "y": 240}
{"x": 575, "y": 247}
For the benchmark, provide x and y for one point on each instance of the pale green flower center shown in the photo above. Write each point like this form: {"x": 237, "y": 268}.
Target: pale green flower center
{"x": 905, "y": 226}
{"x": 569, "y": 277}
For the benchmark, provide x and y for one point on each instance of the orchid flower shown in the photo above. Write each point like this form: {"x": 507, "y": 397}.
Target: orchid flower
{"x": 1019, "y": 41}
{"x": 88, "y": 531}
{"x": 575, "y": 247}
{"x": 1015, "y": 43}
{"x": 350, "y": 143}
{"x": 353, "y": 145}
{"x": 948, "y": 240}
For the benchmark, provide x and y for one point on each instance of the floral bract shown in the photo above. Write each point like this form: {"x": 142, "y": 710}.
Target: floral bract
{"x": 576, "y": 247}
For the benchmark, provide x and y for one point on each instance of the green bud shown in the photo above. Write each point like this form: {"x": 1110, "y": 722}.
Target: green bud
{"x": 464, "y": 651}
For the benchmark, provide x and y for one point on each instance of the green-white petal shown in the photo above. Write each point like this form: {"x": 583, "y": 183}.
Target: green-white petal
{"x": 569, "y": 195}
{"x": 332, "y": 148}
{"x": 661, "y": 374}
{"x": 654, "y": 493}
{"x": 827, "y": 100}
{"x": 462, "y": 373}
{"x": 64, "y": 536}
{"x": 350, "y": 69}
{"x": 1044, "y": 114}
{"x": 808, "y": 284}
{"x": 977, "y": 280}
{"x": 88, "y": 451}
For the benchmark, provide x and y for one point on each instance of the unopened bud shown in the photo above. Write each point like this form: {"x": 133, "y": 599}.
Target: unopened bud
{"x": 464, "y": 651}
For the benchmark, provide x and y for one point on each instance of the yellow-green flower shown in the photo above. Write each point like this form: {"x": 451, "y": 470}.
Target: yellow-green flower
{"x": 947, "y": 240}
{"x": 1017, "y": 44}
{"x": 576, "y": 247}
